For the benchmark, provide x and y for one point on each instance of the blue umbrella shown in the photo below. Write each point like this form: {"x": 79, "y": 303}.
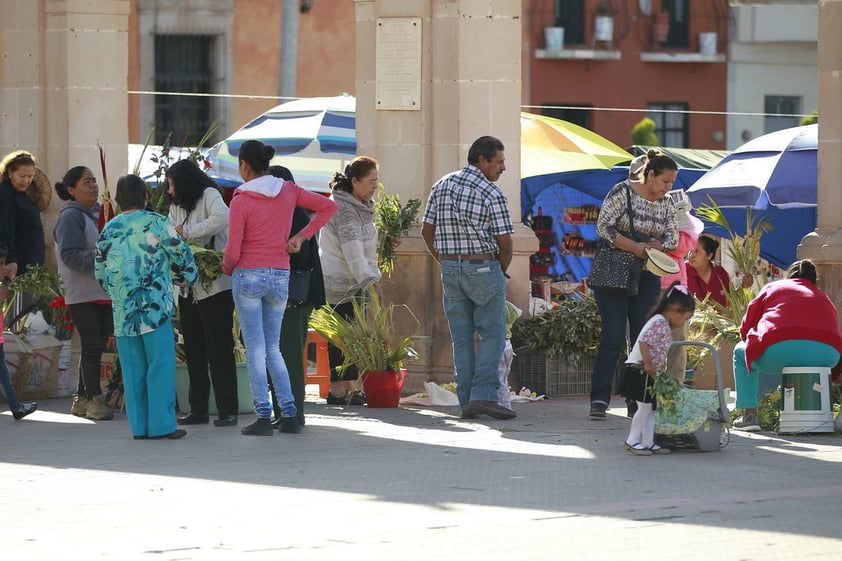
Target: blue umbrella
{"x": 776, "y": 173}
{"x": 778, "y": 169}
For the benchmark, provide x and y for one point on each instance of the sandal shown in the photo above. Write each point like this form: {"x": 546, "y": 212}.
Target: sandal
{"x": 638, "y": 449}
{"x": 659, "y": 449}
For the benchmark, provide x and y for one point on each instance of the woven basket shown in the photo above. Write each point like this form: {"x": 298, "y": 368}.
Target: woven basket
{"x": 40, "y": 190}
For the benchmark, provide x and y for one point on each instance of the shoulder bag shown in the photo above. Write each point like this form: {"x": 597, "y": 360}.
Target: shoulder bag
{"x": 615, "y": 269}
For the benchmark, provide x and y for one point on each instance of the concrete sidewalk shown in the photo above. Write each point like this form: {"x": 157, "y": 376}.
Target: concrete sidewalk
{"x": 411, "y": 483}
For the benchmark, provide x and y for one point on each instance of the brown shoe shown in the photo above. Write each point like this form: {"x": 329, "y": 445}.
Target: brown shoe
{"x": 98, "y": 409}
{"x": 490, "y": 408}
{"x": 79, "y": 406}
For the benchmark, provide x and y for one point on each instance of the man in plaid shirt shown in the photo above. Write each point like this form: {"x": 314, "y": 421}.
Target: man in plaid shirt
{"x": 467, "y": 228}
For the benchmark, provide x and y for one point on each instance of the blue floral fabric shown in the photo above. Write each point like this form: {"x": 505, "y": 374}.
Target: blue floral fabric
{"x": 136, "y": 256}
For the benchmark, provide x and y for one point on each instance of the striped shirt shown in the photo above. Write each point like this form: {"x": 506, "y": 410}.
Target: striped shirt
{"x": 655, "y": 219}
{"x": 468, "y": 211}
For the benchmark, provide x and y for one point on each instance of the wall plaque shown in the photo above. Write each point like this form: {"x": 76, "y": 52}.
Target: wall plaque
{"x": 398, "y": 72}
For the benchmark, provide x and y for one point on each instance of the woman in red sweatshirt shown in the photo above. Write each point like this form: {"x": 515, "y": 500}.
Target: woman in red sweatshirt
{"x": 790, "y": 323}
{"x": 257, "y": 258}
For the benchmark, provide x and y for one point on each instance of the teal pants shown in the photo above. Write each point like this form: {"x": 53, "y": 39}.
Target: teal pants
{"x": 148, "y": 365}
{"x": 796, "y": 352}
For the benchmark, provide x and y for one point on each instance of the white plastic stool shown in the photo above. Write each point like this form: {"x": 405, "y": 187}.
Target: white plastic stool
{"x": 805, "y": 400}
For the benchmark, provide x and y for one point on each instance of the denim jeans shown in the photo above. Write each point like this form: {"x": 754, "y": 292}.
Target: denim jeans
{"x": 474, "y": 298}
{"x": 620, "y": 312}
{"x": 261, "y": 298}
{"x": 6, "y": 383}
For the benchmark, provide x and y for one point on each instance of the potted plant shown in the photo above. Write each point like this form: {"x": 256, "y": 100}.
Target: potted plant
{"x": 368, "y": 341}
{"x": 604, "y": 23}
{"x": 555, "y": 349}
{"x": 554, "y": 34}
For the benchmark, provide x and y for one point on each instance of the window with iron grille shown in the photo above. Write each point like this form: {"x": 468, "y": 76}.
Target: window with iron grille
{"x": 574, "y": 113}
{"x": 777, "y": 109}
{"x": 679, "y": 33}
{"x": 672, "y": 128}
{"x": 183, "y": 65}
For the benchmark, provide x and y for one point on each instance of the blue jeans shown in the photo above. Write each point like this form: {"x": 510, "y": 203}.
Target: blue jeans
{"x": 148, "y": 365}
{"x": 474, "y": 297}
{"x": 261, "y": 298}
{"x": 618, "y": 312}
{"x": 6, "y": 383}
{"x": 795, "y": 352}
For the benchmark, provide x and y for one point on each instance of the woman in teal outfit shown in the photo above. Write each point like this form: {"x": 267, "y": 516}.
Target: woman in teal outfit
{"x": 138, "y": 256}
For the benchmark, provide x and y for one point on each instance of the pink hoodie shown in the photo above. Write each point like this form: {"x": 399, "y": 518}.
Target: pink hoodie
{"x": 260, "y": 220}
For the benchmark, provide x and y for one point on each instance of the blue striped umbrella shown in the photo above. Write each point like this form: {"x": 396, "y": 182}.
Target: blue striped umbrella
{"x": 313, "y": 137}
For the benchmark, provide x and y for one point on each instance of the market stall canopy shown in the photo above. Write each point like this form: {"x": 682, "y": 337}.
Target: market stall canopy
{"x": 551, "y": 146}
{"x": 313, "y": 137}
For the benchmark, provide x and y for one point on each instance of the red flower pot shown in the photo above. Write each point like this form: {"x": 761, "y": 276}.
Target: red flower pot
{"x": 383, "y": 387}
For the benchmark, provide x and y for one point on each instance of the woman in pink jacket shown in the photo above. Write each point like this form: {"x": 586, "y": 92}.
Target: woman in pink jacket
{"x": 790, "y": 323}
{"x": 257, "y": 258}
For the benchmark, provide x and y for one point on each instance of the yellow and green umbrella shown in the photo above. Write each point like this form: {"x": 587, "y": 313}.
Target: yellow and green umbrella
{"x": 549, "y": 145}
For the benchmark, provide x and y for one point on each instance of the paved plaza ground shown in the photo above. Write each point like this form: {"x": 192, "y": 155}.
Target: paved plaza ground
{"x": 411, "y": 483}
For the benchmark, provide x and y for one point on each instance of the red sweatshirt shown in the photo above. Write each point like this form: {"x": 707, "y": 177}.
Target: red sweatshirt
{"x": 260, "y": 220}
{"x": 789, "y": 309}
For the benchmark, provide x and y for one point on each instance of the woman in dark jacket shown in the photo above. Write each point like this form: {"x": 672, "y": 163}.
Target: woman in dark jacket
{"x": 21, "y": 230}
{"x": 295, "y": 323}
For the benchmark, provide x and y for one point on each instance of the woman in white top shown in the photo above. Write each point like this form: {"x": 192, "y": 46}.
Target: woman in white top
{"x": 206, "y": 313}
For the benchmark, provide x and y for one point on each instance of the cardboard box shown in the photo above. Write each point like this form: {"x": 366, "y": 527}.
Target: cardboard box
{"x": 32, "y": 361}
{"x": 705, "y": 375}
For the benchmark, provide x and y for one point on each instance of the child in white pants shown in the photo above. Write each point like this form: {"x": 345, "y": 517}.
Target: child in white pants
{"x": 649, "y": 356}
{"x": 503, "y": 394}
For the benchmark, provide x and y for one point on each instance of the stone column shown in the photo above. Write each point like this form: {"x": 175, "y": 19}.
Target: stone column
{"x": 468, "y": 84}
{"x": 63, "y": 87}
{"x": 824, "y": 245}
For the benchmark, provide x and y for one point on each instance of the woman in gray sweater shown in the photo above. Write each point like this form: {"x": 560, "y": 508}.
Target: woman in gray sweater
{"x": 75, "y": 234}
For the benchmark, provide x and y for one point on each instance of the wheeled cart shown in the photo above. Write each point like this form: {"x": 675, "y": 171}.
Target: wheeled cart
{"x": 701, "y": 419}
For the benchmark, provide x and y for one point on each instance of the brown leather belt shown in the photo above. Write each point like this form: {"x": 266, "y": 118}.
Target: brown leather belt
{"x": 473, "y": 258}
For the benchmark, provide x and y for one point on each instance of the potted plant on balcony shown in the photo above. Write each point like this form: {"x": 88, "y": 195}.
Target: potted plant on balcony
{"x": 368, "y": 341}
{"x": 604, "y": 23}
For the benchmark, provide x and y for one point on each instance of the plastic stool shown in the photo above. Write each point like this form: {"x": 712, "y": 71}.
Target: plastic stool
{"x": 321, "y": 375}
{"x": 805, "y": 400}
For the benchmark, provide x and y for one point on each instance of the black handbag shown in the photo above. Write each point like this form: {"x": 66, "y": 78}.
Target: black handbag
{"x": 299, "y": 286}
{"x": 614, "y": 269}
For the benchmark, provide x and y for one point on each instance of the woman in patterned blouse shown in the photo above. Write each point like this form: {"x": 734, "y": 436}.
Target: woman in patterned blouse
{"x": 138, "y": 255}
{"x": 654, "y": 223}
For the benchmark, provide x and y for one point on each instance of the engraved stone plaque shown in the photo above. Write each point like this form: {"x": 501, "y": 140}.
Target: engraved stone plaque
{"x": 398, "y": 72}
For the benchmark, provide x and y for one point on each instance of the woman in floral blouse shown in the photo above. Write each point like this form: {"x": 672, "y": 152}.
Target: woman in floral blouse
{"x": 139, "y": 254}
